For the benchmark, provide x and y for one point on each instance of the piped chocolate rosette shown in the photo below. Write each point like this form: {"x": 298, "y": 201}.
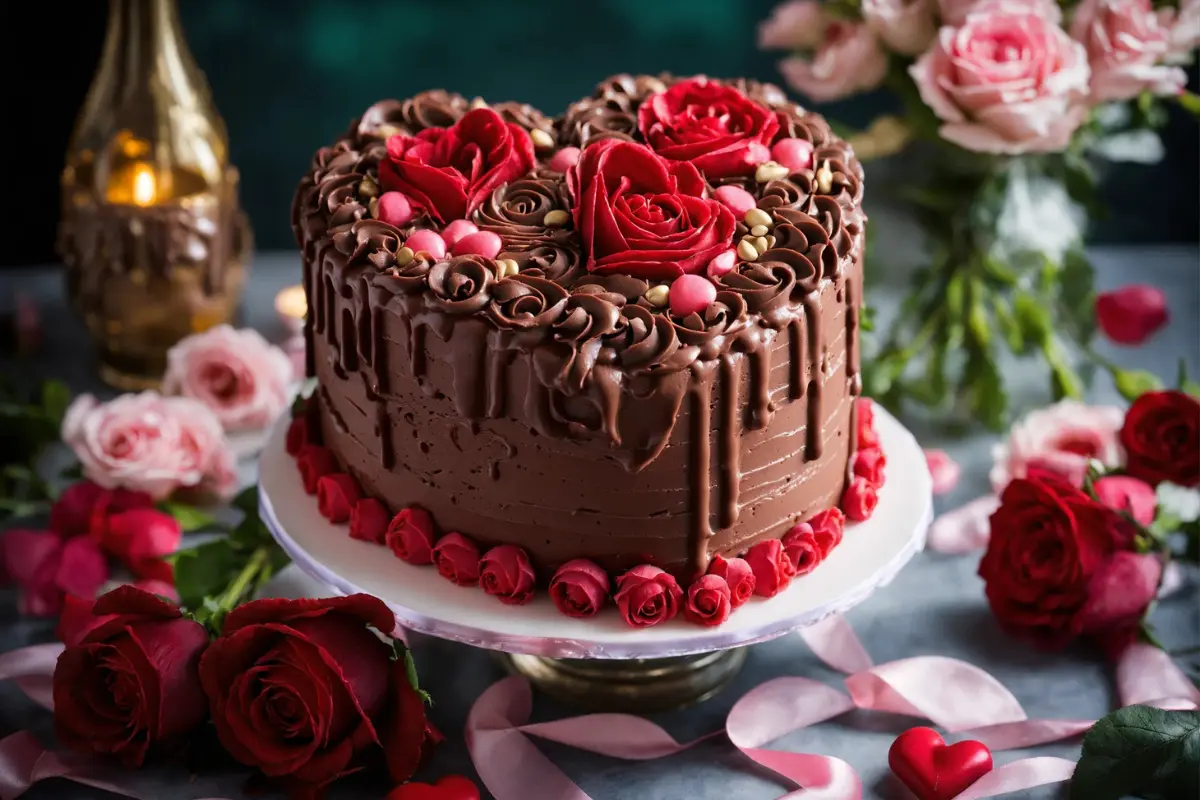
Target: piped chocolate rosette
{"x": 671, "y": 272}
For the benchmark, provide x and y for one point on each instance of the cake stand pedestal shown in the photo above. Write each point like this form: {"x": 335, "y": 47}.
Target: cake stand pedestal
{"x": 601, "y": 662}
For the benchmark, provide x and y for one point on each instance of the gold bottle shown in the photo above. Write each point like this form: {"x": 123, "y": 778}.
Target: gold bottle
{"x": 151, "y": 233}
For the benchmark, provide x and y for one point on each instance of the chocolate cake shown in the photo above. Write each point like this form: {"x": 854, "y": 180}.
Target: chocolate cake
{"x": 628, "y": 333}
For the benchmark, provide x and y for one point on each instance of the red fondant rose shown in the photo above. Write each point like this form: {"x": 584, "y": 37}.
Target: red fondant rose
{"x": 1161, "y": 436}
{"x": 336, "y": 496}
{"x": 297, "y": 436}
{"x": 369, "y": 520}
{"x": 84, "y": 505}
{"x": 579, "y": 588}
{"x": 708, "y": 601}
{"x": 449, "y": 172}
{"x": 131, "y": 683}
{"x": 457, "y": 559}
{"x": 865, "y": 436}
{"x": 828, "y": 527}
{"x": 800, "y": 547}
{"x": 505, "y": 573}
{"x": 773, "y": 570}
{"x": 303, "y": 689}
{"x": 315, "y": 462}
{"x": 647, "y": 595}
{"x": 717, "y": 128}
{"x": 640, "y": 214}
{"x": 859, "y": 499}
{"x": 411, "y": 536}
{"x": 737, "y": 575}
{"x": 869, "y": 464}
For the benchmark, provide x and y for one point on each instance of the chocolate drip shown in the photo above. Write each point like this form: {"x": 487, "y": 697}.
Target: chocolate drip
{"x": 700, "y": 390}
{"x": 812, "y": 442}
{"x": 761, "y": 407}
{"x": 731, "y": 442}
{"x": 470, "y": 362}
{"x": 498, "y": 359}
{"x": 797, "y": 359}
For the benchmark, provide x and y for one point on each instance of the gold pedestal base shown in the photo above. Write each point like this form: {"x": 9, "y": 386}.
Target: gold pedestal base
{"x": 122, "y": 376}
{"x": 635, "y": 685}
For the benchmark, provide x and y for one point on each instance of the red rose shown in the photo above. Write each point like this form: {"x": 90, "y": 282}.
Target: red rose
{"x": 800, "y": 548}
{"x": 1118, "y": 595}
{"x": 859, "y": 500}
{"x": 865, "y": 436}
{"x": 450, "y": 172}
{"x": 140, "y": 538}
{"x": 1047, "y": 541}
{"x": 297, "y": 436}
{"x": 1130, "y": 495}
{"x": 773, "y": 570}
{"x": 869, "y": 465}
{"x": 457, "y": 559}
{"x": 1132, "y": 314}
{"x": 336, "y": 495}
{"x": 640, "y": 214}
{"x": 450, "y": 787}
{"x": 647, "y": 595}
{"x": 1161, "y": 437}
{"x": 505, "y": 573}
{"x": 718, "y": 129}
{"x": 369, "y": 520}
{"x": 46, "y": 569}
{"x": 828, "y": 527}
{"x": 84, "y": 505}
{"x": 304, "y": 689}
{"x": 314, "y": 463}
{"x": 708, "y": 601}
{"x": 411, "y": 536}
{"x": 131, "y": 684}
{"x": 738, "y": 576}
{"x": 579, "y": 588}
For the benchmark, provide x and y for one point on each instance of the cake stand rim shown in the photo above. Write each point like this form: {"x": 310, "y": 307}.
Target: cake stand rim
{"x": 663, "y": 645}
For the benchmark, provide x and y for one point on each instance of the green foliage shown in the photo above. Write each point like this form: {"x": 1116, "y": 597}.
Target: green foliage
{"x": 29, "y": 423}
{"x": 1140, "y": 751}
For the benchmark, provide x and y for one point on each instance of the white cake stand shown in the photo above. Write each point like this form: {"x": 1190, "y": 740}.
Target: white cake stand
{"x": 602, "y": 660}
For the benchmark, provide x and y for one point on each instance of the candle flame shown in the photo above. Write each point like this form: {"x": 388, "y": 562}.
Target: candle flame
{"x": 145, "y": 190}
{"x": 291, "y": 302}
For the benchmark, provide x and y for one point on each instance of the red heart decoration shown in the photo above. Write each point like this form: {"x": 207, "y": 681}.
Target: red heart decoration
{"x": 933, "y": 770}
{"x": 451, "y": 787}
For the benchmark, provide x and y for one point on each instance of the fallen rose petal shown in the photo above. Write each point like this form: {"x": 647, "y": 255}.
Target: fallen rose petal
{"x": 943, "y": 469}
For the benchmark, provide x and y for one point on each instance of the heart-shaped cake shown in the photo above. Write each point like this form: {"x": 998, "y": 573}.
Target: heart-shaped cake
{"x": 552, "y": 349}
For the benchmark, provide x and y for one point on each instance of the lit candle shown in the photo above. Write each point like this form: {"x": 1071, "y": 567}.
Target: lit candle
{"x": 145, "y": 188}
{"x": 292, "y": 307}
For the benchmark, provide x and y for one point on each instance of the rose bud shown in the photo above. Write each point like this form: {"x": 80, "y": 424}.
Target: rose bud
{"x": 369, "y": 520}
{"x": 800, "y": 547}
{"x": 84, "y": 504}
{"x": 506, "y": 574}
{"x": 314, "y": 463}
{"x": 410, "y": 535}
{"x": 336, "y": 495}
{"x": 131, "y": 684}
{"x": 647, "y": 595}
{"x": 828, "y": 527}
{"x": 457, "y": 559}
{"x": 738, "y": 576}
{"x": 859, "y": 500}
{"x": 140, "y": 538}
{"x": 579, "y": 588}
{"x": 708, "y": 601}
{"x": 1123, "y": 493}
{"x": 1132, "y": 314}
{"x": 773, "y": 570}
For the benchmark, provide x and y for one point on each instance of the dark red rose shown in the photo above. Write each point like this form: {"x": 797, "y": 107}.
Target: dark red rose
{"x": 869, "y": 465}
{"x": 450, "y": 787}
{"x": 647, "y": 595}
{"x": 738, "y": 576}
{"x": 718, "y": 129}
{"x": 859, "y": 500}
{"x": 772, "y": 568}
{"x": 1047, "y": 541}
{"x": 369, "y": 520}
{"x": 304, "y": 689}
{"x": 1132, "y": 314}
{"x": 84, "y": 505}
{"x": 314, "y": 463}
{"x": 336, "y": 495}
{"x": 506, "y": 574}
{"x": 1161, "y": 437}
{"x": 457, "y": 559}
{"x": 450, "y": 172}
{"x": 865, "y": 436}
{"x": 579, "y": 588}
{"x": 640, "y": 214}
{"x": 708, "y": 601}
{"x": 800, "y": 548}
{"x": 411, "y": 536}
{"x": 297, "y": 436}
{"x": 131, "y": 684}
{"x": 828, "y": 527}
{"x": 140, "y": 538}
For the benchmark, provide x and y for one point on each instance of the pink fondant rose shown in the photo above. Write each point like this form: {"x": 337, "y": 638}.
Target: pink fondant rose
{"x": 717, "y": 128}
{"x": 506, "y": 574}
{"x": 708, "y": 601}
{"x": 238, "y": 374}
{"x": 647, "y": 595}
{"x": 457, "y": 559}
{"x": 643, "y": 215}
{"x": 411, "y": 536}
{"x": 773, "y": 570}
{"x": 847, "y": 59}
{"x": 579, "y": 588}
{"x": 150, "y": 443}
{"x": 737, "y": 575}
{"x": 1126, "y": 42}
{"x": 1061, "y": 438}
{"x": 905, "y": 26}
{"x": 449, "y": 172}
{"x": 1009, "y": 80}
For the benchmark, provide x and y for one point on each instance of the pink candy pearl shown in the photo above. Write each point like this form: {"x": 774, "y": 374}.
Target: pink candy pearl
{"x": 722, "y": 263}
{"x": 691, "y": 294}
{"x": 757, "y": 153}
{"x": 735, "y": 198}
{"x": 564, "y": 159}
{"x": 795, "y": 154}
{"x": 483, "y": 243}
{"x": 394, "y": 209}
{"x": 429, "y": 241}
{"x": 457, "y": 230}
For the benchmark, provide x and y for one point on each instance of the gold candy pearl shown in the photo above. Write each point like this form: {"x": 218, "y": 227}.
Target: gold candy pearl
{"x": 478, "y": 102}
{"x": 770, "y": 242}
{"x": 746, "y": 251}
{"x": 654, "y": 85}
{"x": 541, "y": 139}
{"x": 824, "y": 179}
{"x": 386, "y": 131}
{"x": 760, "y": 244}
{"x": 556, "y": 218}
{"x": 770, "y": 171}
{"x": 759, "y": 230}
{"x": 373, "y": 207}
{"x": 756, "y": 217}
{"x": 658, "y": 296}
{"x": 506, "y": 268}
{"x": 404, "y": 256}
{"x": 368, "y": 188}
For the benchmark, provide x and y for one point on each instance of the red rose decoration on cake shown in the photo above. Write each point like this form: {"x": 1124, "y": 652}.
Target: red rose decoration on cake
{"x": 737, "y": 575}
{"x": 457, "y": 559}
{"x": 708, "y": 601}
{"x": 800, "y": 547}
{"x": 1161, "y": 437}
{"x": 865, "y": 436}
{"x": 314, "y": 463}
{"x": 297, "y": 436}
{"x": 579, "y": 588}
{"x": 715, "y": 127}
{"x": 506, "y": 574}
{"x": 411, "y": 536}
{"x": 450, "y": 172}
{"x": 869, "y": 464}
{"x": 647, "y": 595}
{"x": 828, "y": 527}
{"x": 859, "y": 499}
{"x": 369, "y": 520}
{"x": 336, "y": 496}
{"x": 640, "y": 214}
{"x": 773, "y": 570}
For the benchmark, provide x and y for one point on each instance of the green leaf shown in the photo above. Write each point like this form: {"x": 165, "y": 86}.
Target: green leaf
{"x": 1033, "y": 316}
{"x": 1140, "y": 751}
{"x": 1183, "y": 382}
{"x": 1190, "y": 102}
{"x": 190, "y": 518}
{"x": 298, "y": 405}
{"x": 1133, "y": 383}
{"x": 205, "y": 571}
{"x": 1077, "y": 295}
{"x": 246, "y": 501}
{"x": 55, "y": 399}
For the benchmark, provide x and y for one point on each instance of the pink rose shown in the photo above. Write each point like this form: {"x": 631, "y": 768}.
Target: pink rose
{"x": 800, "y": 547}
{"x": 506, "y": 574}
{"x": 943, "y": 469}
{"x": 1185, "y": 32}
{"x": 1126, "y": 42}
{"x": 708, "y": 601}
{"x": 238, "y": 374}
{"x": 847, "y": 60}
{"x": 1118, "y": 594}
{"x": 737, "y": 575}
{"x": 150, "y": 443}
{"x": 794, "y": 25}
{"x": 1009, "y": 80}
{"x": 84, "y": 505}
{"x": 647, "y": 595}
{"x": 906, "y": 26}
{"x": 955, "y": 12}
{"x": 140, "y": 538}
{"x": 579, "y": 588}
{"x": 773, "y": 570}
{"x": 1132, "y": 314}
{"x": 411, "y": 536}
{"x": 1130, "y": 495}
{"x": 1060, "y": 438}
{"x": 46, "y": 567}
{"x": 457, "y": 559}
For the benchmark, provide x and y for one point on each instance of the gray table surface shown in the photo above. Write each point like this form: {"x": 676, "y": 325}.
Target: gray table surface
{"x": 935, "y": 606}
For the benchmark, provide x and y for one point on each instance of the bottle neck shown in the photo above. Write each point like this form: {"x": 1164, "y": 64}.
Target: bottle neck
{"x": 144, "y": 48}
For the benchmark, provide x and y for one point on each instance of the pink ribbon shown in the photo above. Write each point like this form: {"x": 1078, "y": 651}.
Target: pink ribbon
{"x": 963, "y": 529}
{"x": 32, "y": 668}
